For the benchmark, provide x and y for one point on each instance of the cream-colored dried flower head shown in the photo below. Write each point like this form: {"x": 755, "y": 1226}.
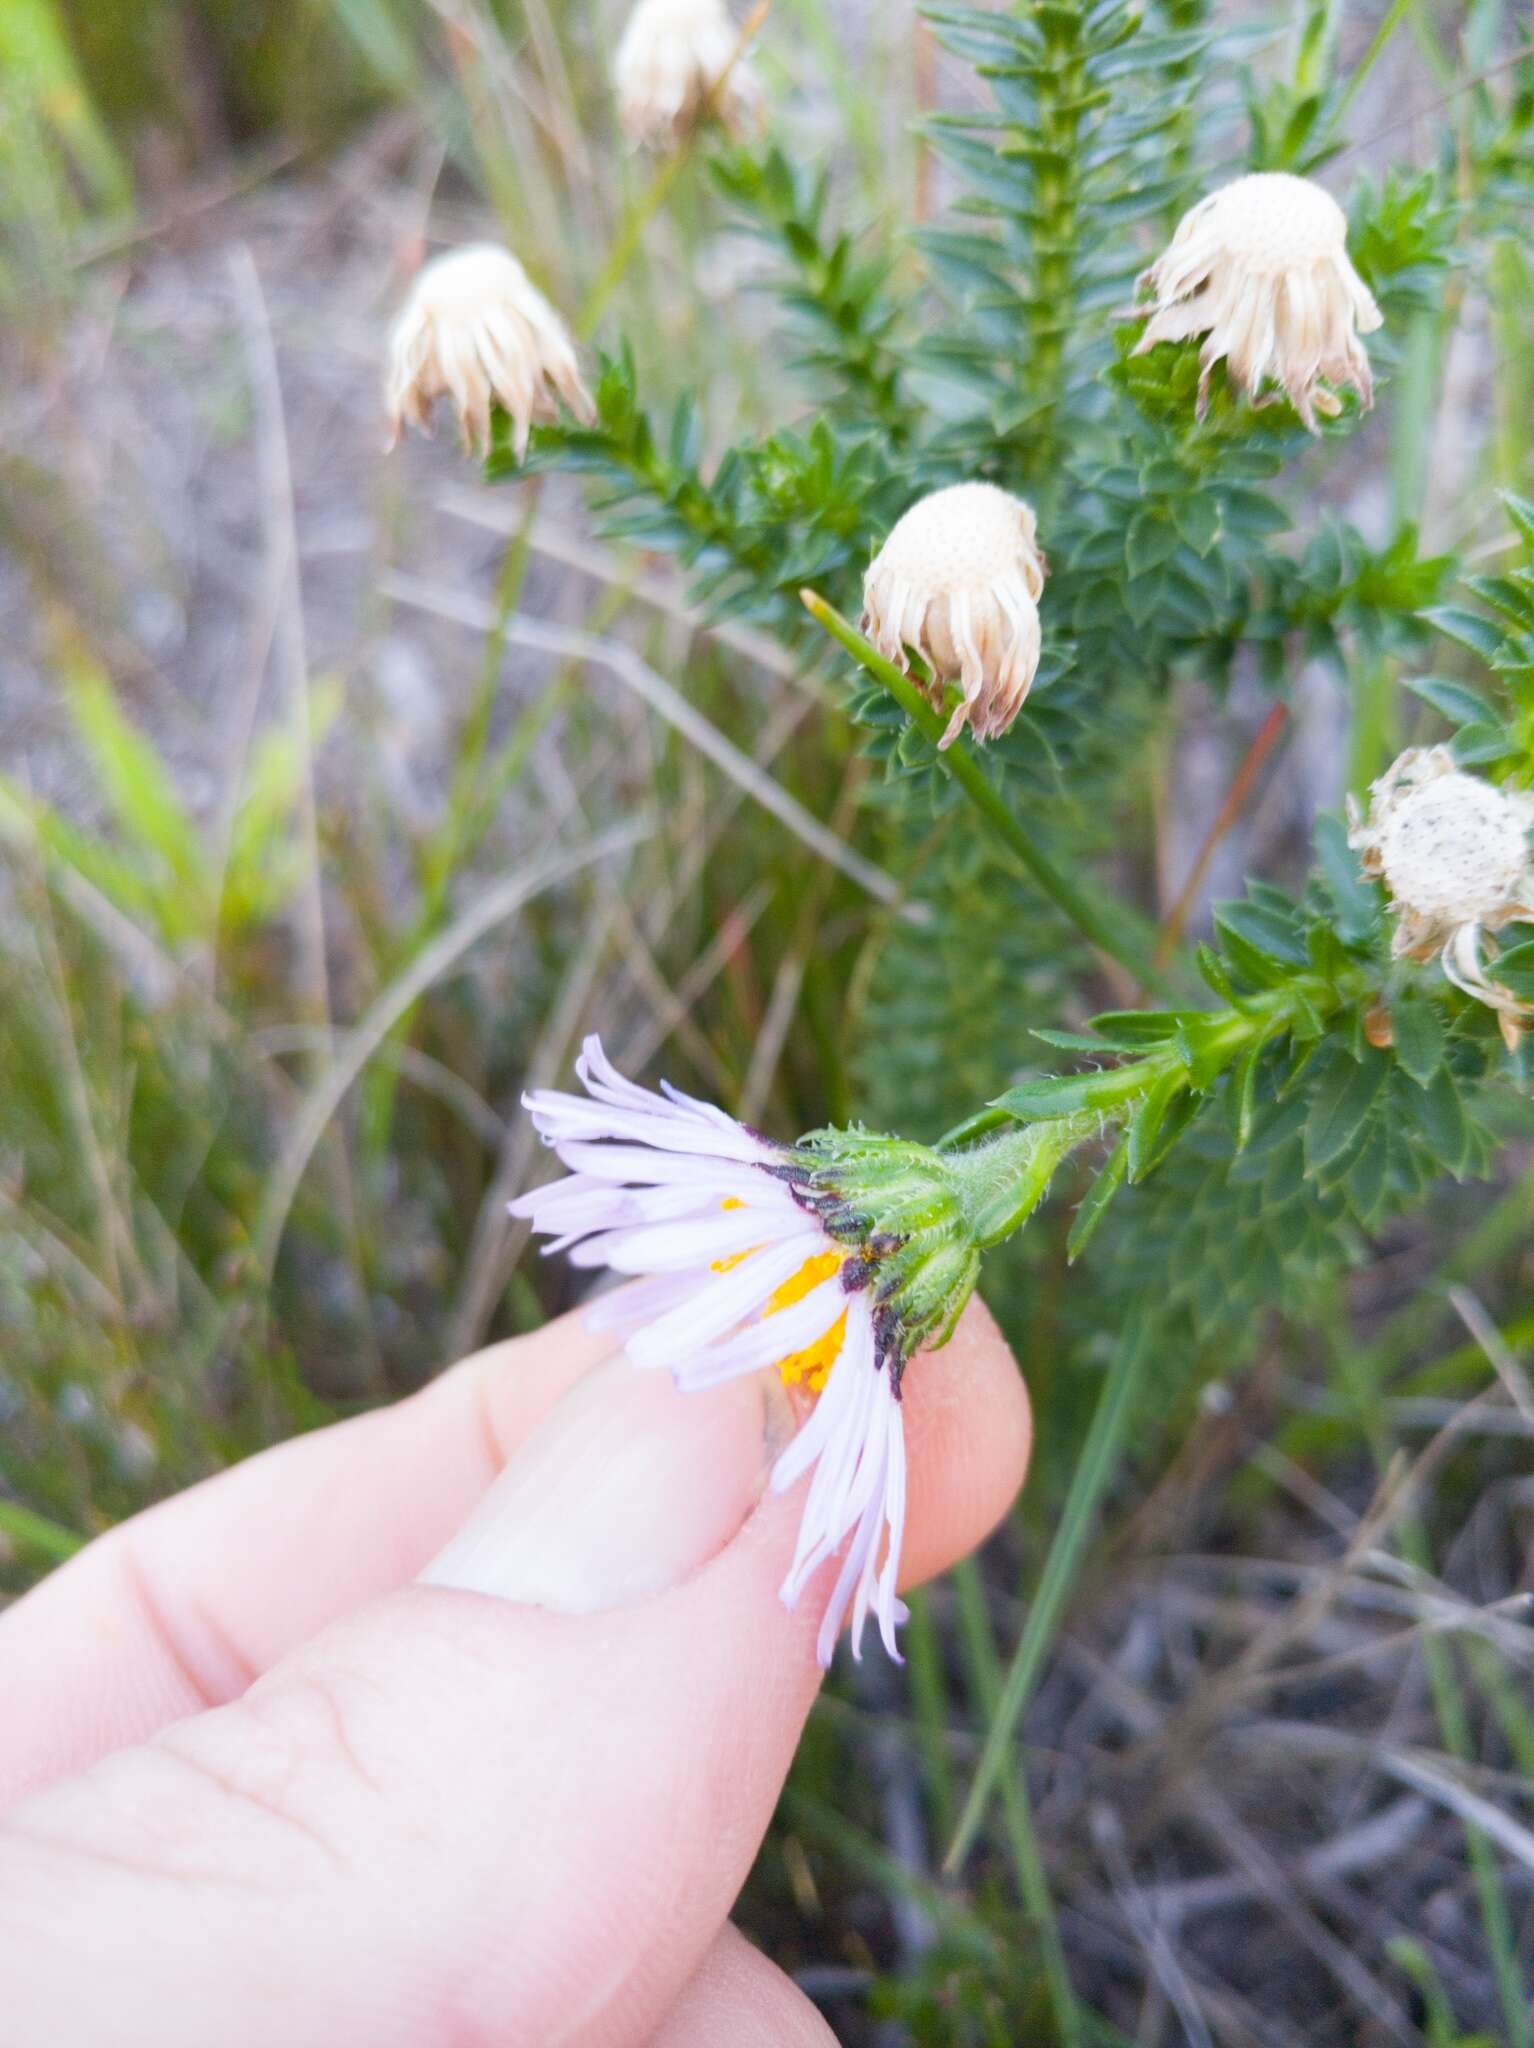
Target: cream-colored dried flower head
{"x": 475, "y": 328}
{"x": 1261, "y": 268}
{"x": 676, "y": 60}
{"x": 1453, "y": 851}
{"x": 959, "y": 580}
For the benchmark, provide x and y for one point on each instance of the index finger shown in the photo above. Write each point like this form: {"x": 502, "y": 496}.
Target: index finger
{"x": 182, "y": 1607}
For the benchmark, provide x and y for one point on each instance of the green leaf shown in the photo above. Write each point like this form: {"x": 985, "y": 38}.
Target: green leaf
{"x": 1308, "y": 1022}
{"x": 1521, "y": 512}
{"x": 1340, "y": 1105}
{"x": 1440, "y": 1116}
{"x": 1243, "y": 1094}
{"x": 1146, "y": 1122}
{"x": 1453, "y": 700}
{"x": 1212, "y": 968}
{"x": 1366, "y": 1176}
{"x": 1474, "y": 745}
{"x": 1149, "y": 542}
{"x": 1207, "y": 1049}
{"x": 1137, "y": 1027}
{"x": 1060, "y": 1095}
{"x": 1250, "y": 961}
{"x": 1094, "y": 1203}
{"x": 1271, "y": 931}
{"x": 1420, "y": 1041}
{"x": 1272, "y": 1130}
{"x": 1515, "y": 967}
{"x": 149, "y": 812}
{"x": 1197, "y": 518}
{"x": 1467, "y": 627}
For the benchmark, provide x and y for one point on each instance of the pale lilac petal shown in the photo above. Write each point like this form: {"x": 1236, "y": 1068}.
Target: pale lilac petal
{"x": 726, "y": 1300}
{"x": 855, "y": 1440}
{"x": 827, "y": 1421}
{"x": 711, "y": 1113}
{"x": 891, "y": 1608}
{"x": 641, "y": 1163}
{"x": 628, "y": 1309}
{"x": 768, "y": 1342}
{"x": 888, "y": 1509}
{"x": 606, "y": 1084}
{"x": 669, "y": 1204}
{"x": 575, "y": 1205}
{"x": 560, "y": 1118}
{"x": 847, "y": 1483}
{"x": 693, "y": 1241}
{"x": 855, "y": 1566}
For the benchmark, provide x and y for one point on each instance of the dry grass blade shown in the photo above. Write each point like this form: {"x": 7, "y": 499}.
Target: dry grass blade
{"x": 496, "y": 1241}
{"x": 664, "y": 593}
{"x": 1485, "y": 1332}
{"x": 620, "y": 661}
{"x": 498, "y": 902}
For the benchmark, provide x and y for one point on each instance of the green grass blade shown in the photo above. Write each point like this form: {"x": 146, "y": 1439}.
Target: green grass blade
{"x": 1017, "y": 1811}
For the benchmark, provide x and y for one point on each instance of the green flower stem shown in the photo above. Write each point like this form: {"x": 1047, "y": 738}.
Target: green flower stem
{"x": 1000, "y": 1184}
{"x": 1062, "y": 94}
{"x": 1076, "y": 1106}
{"x": 1395, "y": 15}
{"x": 960, "y": 763}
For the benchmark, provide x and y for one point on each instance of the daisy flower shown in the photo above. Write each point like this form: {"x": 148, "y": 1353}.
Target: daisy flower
{"x": 746, "y": 1258}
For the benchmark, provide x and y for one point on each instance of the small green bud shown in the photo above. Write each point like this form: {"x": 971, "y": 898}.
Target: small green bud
{"x": 899, "y": 1207}
{"x": 918, "y": 1220}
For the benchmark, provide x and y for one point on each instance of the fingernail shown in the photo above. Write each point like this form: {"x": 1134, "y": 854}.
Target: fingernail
{"x": 625, "y": 1489}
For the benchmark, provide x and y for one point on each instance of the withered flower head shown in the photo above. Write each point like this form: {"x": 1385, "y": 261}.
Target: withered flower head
{"x": 1261, "y": 268}
{"x": 1453, "y": 851}
{"x": 677, "y": 60}
{"x": 475, "y": 328}
{"x": 959, "y": 580}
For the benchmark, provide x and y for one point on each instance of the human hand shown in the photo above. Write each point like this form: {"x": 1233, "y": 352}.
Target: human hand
{"x": 275, "y": 1769}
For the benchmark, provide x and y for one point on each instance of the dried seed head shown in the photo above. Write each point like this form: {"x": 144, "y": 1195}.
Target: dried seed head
{"x": 1455, "y": 850}
{"x": 476, "y": 328}
{"x": 1451, "y": 848}
{"x": 959, "y": 580}
{"x": 669, "y": 65}
{"x": 1454, "y": 853}
{"x": 1261, "y": 267}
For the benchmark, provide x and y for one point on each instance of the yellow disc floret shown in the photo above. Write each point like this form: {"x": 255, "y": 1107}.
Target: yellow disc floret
{"x": 728, "y": 1265}
{"x": 811, "y": 1367}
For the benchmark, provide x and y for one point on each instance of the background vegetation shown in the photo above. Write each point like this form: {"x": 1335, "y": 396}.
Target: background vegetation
{"x": 339, "y": 798}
